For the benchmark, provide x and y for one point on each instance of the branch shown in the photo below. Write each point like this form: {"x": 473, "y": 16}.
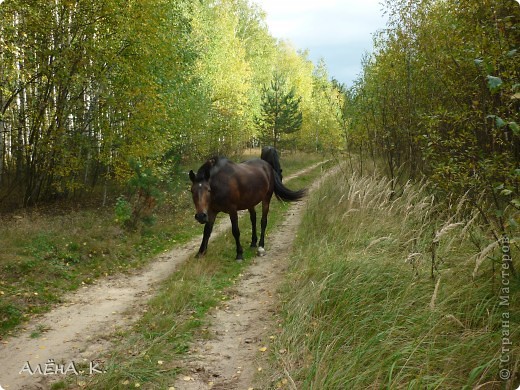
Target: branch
{"x": 18, "y": 90}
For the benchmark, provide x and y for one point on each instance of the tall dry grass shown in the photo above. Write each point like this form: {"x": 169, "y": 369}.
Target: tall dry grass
{"x": 389, "y": 288}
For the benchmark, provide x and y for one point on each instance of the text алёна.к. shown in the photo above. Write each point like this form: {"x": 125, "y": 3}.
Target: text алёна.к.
{"x": 53, "y": 368}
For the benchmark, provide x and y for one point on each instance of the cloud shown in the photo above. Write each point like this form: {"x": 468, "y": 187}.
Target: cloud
{"x": 343, "y": 61}
{"x": 340, "y": 31}
{"x": 323, "y": 21}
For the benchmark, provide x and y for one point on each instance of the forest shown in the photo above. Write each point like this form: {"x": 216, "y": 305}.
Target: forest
{"x": 440, "y": 97}
{"x": 90, "y": 90}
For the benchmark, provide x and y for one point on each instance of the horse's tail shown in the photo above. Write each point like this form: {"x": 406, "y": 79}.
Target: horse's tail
{"x": 270, "y": 155}
{"x": 284, "y": 193}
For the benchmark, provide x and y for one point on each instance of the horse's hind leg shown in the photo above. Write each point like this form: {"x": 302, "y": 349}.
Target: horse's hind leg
{"x": 254, "y": 237}
{"x": 263, "y": 225}
{"x": 236, "y": 233}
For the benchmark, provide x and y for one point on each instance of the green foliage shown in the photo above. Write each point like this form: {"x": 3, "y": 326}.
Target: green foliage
{"x": 88, "y": 87}
{"x": 81, "y": 93}
{"x": 326, "y": 119}
{"x": 439, "y": 97}
{"x": 144, "y": 180}
{"x": 145, "y": 192}
{"x": 123, "y": 211}
{"x": 494, "y": 83}
{"x": 280, "y": 113}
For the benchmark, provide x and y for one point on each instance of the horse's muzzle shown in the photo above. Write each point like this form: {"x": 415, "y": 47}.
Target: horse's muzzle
{"x": 201, "y": 217}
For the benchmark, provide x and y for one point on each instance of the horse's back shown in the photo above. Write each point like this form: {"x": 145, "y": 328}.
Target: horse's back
{"x": 245, "y": 170}
{"x": 254, "y": 173}
{"x": 257, "y": 163}
{"x": 246, "y": 184}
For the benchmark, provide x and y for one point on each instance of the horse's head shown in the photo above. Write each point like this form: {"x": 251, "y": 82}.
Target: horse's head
{"x": 201, "y": 191}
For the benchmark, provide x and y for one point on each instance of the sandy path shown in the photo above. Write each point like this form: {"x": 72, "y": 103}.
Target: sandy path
{"x": 78, "y": 328}
{"x": 78, "y": 331}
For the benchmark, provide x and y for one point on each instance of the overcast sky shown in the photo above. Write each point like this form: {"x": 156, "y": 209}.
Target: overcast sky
{"x": 339, "y": 31}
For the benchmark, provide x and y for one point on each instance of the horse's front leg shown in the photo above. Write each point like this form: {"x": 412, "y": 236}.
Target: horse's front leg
{"x": 233, "y": 215}
{"x": 254, "y": 237}
{"x": 208, "y": 228}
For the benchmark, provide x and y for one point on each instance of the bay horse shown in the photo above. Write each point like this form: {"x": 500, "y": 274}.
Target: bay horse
{"x": 221, "y": 185}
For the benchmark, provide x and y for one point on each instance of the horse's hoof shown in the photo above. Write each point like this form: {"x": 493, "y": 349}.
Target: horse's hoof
{"x": 260, "y": 251}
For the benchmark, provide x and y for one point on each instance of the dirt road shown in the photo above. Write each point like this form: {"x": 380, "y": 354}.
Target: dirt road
{"x": 243, "y": 328}
{"x": 76, "y": 332}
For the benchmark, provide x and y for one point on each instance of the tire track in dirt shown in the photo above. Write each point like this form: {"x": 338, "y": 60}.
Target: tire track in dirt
{"x": 241, "y": 326}
{"x": 79, "y": 330}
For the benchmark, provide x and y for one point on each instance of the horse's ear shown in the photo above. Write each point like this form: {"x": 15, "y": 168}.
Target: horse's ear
{"x": 206, "y": 174}
{"x": 192, "y": 176}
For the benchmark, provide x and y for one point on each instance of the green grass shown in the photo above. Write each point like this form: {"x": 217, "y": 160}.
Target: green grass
{"x": 149, "y": 353}
{"x": 39, "y": 331}
{"x": 361, "y": 310}
{"x": 44, "y": 256}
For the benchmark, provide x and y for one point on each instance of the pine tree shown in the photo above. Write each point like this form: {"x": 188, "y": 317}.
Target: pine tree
{"x": 280, "y": 113}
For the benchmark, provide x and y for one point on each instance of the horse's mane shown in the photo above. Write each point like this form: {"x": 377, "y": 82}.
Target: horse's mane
{"x": 211, "y": 166}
